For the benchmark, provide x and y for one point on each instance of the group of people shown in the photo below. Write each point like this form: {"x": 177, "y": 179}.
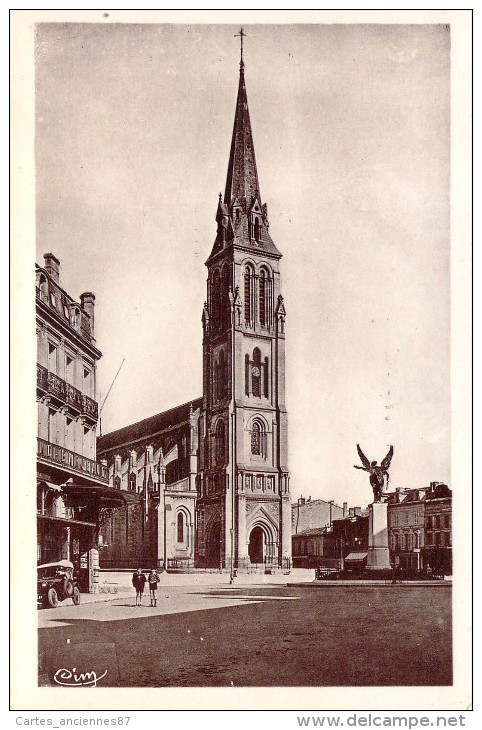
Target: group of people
{"x": 139, "y": 582}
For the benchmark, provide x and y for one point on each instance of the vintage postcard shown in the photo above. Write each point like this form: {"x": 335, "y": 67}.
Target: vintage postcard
{"x": 243, "y": 478}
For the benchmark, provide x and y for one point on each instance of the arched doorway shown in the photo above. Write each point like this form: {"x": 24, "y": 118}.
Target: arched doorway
{"x": 256, "y": 545}
{"x": 213, "y": 547}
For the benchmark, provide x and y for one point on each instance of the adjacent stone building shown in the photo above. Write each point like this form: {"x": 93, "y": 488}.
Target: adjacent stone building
{"x": 157, "y": 460}
{"x": 309, "y": 514}
{"x": 406, "y": 514}
{"x": 73, "y": 492}
{"x": 437, "y": 551}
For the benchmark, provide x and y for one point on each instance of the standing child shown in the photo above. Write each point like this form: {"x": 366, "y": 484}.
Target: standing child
{"x": 139, "y": 581}
{"x": 153, "y": 581}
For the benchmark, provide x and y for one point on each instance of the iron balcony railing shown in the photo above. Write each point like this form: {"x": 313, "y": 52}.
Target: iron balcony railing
{"x": 53, "y": 385}
{"x": 72, "y": 461}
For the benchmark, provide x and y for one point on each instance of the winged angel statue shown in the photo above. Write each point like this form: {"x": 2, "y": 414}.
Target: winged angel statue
{"x": 377, "y": 473}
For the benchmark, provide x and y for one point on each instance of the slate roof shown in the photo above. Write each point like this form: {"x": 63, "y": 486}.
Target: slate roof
{"x": 146, "y": 428}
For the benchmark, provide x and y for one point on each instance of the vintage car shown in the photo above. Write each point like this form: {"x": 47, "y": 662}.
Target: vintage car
{"x": 56, "y": 582}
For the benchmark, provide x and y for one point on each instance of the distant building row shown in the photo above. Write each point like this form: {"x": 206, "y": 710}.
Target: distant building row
{"x": 419, "y": 532}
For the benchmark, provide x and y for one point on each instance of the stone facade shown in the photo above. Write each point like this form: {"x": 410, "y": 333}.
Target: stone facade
{"x": 72, "y": 487}
{"x": 310, "y": 514}
{"x": 244, "y": 514}
{"x": 155, "y": 459}
{"x": 406, "y": 510}
{"x": 437, "y": 551}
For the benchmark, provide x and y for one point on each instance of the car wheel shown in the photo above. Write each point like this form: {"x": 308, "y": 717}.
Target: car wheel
{"x": 52, "y": 598}
{"x": 68, "y": 588}
{"x": 76, "y": 596}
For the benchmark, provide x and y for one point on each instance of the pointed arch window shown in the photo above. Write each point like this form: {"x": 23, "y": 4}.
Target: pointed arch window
{"x": 265, "y": 304}
{"x": 248, "y": 294}
{"x": 257, "y": 229}
{"x": 220, "y": 443}
{"x": 225, "y": 298}
{"x": 222, "y": 377}
{"x": 258, "y": 439}
{"x": 215, "y": 300}
{"x": 180, "y": 527}
{"x": 262, "y": 298}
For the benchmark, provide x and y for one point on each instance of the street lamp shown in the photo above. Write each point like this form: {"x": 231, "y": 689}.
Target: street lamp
{"x": 231, "y": 572}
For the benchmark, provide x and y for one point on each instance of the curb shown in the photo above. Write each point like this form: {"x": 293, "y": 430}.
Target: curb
{"x": 379, "y": 583}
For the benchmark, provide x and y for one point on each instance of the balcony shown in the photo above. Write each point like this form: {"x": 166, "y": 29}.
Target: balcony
{"x": 90, "y": 408}
{"x": 73, "y": 397}
{"x": 71, "y": 461}
{"x": 64, "y": 392}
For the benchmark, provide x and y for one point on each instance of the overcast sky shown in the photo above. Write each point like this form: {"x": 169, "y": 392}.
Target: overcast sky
{"x": 351, "y": 133}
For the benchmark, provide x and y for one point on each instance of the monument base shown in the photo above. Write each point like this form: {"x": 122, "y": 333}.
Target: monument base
{"x": 378, "y": 556}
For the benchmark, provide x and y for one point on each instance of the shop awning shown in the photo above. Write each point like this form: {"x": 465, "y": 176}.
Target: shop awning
{"x": 356, "y": 556}
{"x": 65, "y": 522}
{"x": 107, "y": 496}
{"x": 49, "y": 485}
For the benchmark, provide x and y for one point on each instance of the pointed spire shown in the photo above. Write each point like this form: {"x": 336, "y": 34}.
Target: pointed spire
{"x": 242, "y": 179}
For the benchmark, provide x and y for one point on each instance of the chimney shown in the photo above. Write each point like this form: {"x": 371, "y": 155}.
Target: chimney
{"x": 345, "y": 509}
{"x": 356, "y": 510}
{"x": 52, "y": 266}
{"x": 87, "y": 302}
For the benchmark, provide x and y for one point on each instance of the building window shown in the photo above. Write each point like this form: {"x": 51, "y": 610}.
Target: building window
{"x": 52, "y": 358}
{"x": 256, "y": 439}
{"x": 223, "y": 375}
{"x": 44, "y": 288}
{"x": 180, "y": 527}
{"x": 225, "y": 319}
{"x": 216, "y": 300}
{"x": 264, "y": 289}
{"x": 220, "y": 443}
{"x": 256, "y": 229}
{"x": 69, "y": 370}
{"x": 262, "y": 298}
{"x": 87, "y": 382}
{"x": 69, "y": 429}
{"x": 248, "y": 294}
{"x": 51, "y": 427}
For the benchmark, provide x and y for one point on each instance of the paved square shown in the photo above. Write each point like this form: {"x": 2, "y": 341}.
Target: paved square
{"x": 261, "y": 636}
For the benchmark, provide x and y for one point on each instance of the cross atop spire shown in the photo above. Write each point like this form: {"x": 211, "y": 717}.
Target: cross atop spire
{"x": 241, "y": 35}
{"x": 242, "y": 179}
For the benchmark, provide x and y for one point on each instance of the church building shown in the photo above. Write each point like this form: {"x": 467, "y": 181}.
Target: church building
{"x": 212, "y": 475}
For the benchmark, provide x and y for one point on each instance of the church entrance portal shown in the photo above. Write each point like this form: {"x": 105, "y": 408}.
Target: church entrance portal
{"x": 256, "y": 545}
{"x": 213, "y": 553}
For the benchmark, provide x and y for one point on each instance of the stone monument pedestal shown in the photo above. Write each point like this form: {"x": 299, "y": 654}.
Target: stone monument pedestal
{"x": 378, "y": 557}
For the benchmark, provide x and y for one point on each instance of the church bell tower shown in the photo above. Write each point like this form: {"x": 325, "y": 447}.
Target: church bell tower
{"x": 243, "y": 506}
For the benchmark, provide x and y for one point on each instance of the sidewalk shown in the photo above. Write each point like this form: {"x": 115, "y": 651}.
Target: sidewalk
{"x": 123, "y": 580}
